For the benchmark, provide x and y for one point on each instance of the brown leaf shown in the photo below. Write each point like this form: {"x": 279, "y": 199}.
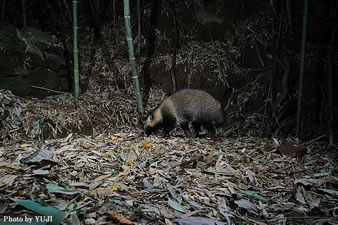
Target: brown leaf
{"x": 120, "y": 219}
{"x": 101, "y": 177}
{"x": 101, "y": 192}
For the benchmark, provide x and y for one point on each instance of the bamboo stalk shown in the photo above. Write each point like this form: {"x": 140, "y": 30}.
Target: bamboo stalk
{"x": 131, "y": 56}
{"x": 76, "y": 53}
{"x": 330, "y": 76}
{"x": 301, "y": 73}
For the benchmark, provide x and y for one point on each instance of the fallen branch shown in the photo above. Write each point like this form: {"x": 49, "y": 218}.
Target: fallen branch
{"x": 47, "y": 89}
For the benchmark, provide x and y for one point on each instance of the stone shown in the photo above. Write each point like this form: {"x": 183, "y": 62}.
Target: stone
{"x": 9, "y": 40}
{"x": 17, "y": 84}
{"x": 43, "y": 77}
{"x": 37, "y": 37}
{"x": 8, "y": 61}
{"x": 55, "y": 62}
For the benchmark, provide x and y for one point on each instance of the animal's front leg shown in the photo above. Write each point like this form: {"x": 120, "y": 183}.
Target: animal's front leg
{"x": 168, "y": 125}
{"x": 197, "y": 128}
{"x": 186, "y": 129}
{"x": 167, "y": 130}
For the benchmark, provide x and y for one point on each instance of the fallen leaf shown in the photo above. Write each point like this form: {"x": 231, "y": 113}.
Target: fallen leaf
{"x": 308, "y": 182}
{"x": 39, "y": 155}
{"x": 129, "y": 163}
{"x": 147, "y": 144}
{"x": 116, "y": 187}
{"x": 7, "y": 179}
{"x": 101, "y": 192}
{"x": 199, "y": 221}
{"x": 101, "y": 177}
{"x": 57, "y": 215}
{"x": 246, "y": 204}
{"x": 40, "y": 172}
{"x": 300, "y": 198}
{"x": 329, "y": 191}
{"x": 113, "y": 138}
{"x": 12, "y": 166}
{"x": 120, "y": 219}
{"x": 175, "y": 205}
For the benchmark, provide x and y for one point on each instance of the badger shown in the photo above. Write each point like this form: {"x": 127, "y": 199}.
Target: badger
{"x": 183, "y": 107}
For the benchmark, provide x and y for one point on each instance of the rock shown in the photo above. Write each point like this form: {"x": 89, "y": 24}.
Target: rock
{"x": 22, "y": 71}
{"x": 46, "y": 78}
{"x": 31, "y": 57}
{"x": 8, "y": 61}
{"x": 64, "y": 83}
{"x": 35, "y": 61}
{"x": 35, "y": 37}
{"x": 9, "y": 40}
{"x": 17, "y": 84}
{"x": 55, "y": 62}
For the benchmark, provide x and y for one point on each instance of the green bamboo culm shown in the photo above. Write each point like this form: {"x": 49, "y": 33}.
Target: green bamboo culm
{"x": 76, "y": 53}
{"x": 131, "y": 56}
{"x": 301, "y": 72}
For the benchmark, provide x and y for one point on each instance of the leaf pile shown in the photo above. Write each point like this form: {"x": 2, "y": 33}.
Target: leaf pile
{"x": 56, "y": 116}
{"x": 130, "y": 179}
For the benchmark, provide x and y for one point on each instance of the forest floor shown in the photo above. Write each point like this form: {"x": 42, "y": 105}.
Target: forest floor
{"x": 50, "y": 165}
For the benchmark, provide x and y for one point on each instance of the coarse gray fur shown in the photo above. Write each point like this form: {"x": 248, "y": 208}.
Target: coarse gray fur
{"x": 185, "y": 106}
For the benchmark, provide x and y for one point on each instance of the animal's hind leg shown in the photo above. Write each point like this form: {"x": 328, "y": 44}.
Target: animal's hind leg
{"x": 211, "y": 129}
{"x": 197, "y": 128}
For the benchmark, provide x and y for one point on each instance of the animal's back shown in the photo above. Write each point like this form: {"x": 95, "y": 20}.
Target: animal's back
{"x": 196, "y": 105}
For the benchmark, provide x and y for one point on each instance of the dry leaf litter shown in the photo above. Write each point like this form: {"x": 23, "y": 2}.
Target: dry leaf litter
{"x": 152, "y": 180}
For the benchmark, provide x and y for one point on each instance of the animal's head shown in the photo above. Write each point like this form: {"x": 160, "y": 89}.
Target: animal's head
{"x": 153, "y": 123}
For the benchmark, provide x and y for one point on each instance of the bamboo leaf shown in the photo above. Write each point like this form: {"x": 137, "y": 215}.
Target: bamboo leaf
{"x": 56, "y": 214}
{"x": 175, "y": 205}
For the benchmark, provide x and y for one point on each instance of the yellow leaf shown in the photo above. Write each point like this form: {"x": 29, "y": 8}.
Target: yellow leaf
{"x": 108, "y": 154}
{"x": 116, "y": 187}
{"x": 113, "y": 138}
{"x": 129, "y": 163}
{"x": 92, "y": 148}
{"x": 147, "y": 144}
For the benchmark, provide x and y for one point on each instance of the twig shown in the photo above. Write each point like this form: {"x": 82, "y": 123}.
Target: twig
{"x": 259, "y": 56}
{"x": 273, "y": 8}
{"x": 47, "y": 89}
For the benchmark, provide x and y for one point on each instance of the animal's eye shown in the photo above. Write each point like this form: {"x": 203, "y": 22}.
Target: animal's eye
{"x": 151, "y": 117}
